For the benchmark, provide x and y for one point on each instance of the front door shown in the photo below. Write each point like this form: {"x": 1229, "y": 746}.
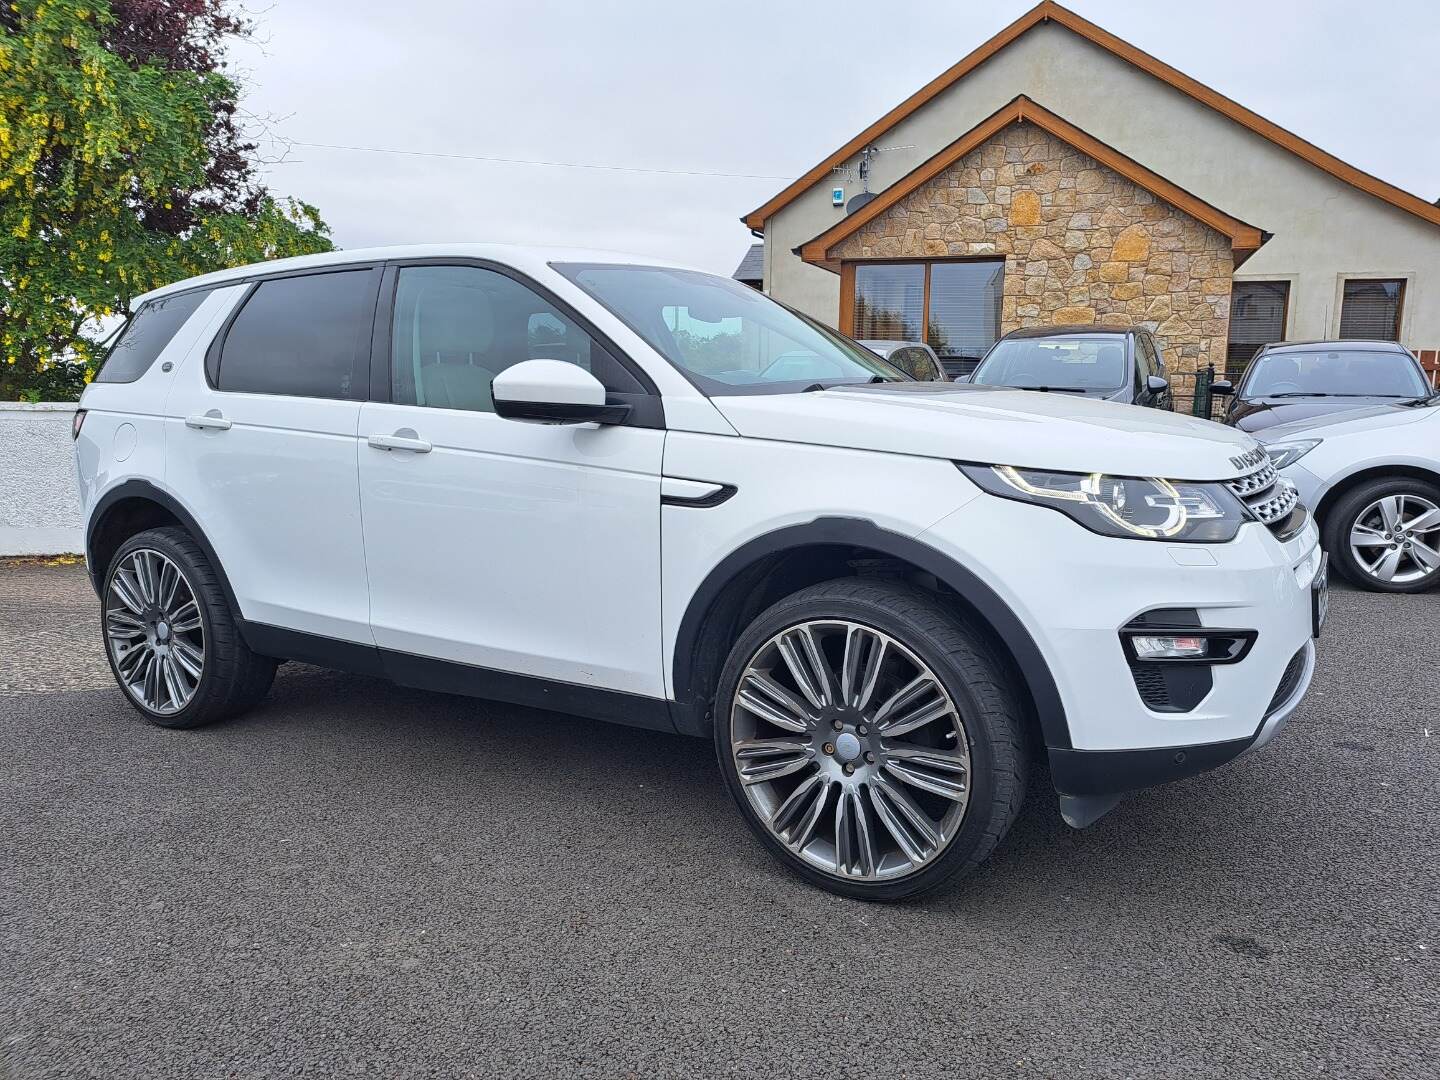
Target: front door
{"x": 525, "y": 548}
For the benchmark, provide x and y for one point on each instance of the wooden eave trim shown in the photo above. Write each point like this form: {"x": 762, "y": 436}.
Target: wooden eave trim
{"x": 1048, "y": 10}
{"x": 1244, "y": 238}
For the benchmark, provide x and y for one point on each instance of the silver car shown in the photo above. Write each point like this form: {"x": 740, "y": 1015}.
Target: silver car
{"x": 915, "y": 358}
{"x": 1372, "y": 477}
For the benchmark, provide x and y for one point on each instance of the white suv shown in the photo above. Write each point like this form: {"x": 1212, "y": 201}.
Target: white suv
{"x": 654, "y": 496}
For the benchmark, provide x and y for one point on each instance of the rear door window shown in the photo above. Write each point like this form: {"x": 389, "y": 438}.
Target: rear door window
{"x": 146, "y": 334}
{"x": 305, "y": 336}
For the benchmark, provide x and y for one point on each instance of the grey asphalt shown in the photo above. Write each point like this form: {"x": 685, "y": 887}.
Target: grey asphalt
{"x": 359, "y": 880}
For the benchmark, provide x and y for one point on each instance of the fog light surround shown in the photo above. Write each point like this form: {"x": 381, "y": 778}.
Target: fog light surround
{"x": 1151, "y": 644}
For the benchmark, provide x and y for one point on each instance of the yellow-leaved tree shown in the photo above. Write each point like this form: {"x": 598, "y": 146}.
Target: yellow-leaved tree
{"x": 123, "y": 166}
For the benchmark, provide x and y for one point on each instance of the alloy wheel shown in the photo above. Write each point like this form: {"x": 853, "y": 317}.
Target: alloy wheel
{"x": 1396, "y": 538}
{"x": 850, "y": 750}
{"x": 154, "y": 632}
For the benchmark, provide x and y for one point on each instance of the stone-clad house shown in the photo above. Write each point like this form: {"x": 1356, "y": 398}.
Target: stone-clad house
{"x": 1058, "y": 175}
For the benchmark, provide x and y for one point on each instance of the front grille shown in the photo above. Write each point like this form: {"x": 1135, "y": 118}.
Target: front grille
{"x": 1288, "y": 681}
{"x": 1268, "y": 496}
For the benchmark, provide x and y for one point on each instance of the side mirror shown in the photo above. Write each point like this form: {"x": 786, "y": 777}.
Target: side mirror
{"x": 1156, "y": 385}
{"x": 1222, "y": 387}
{"x": 553, "y": 392}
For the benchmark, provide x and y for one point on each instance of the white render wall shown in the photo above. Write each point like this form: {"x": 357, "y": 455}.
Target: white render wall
{"x": 39, "y": 497}
{"x": 1324, "y": 229}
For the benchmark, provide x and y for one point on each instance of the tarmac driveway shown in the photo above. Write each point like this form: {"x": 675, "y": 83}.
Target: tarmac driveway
{"x": 364, "y": 880}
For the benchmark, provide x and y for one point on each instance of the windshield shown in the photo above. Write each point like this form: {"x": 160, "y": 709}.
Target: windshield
{"x": 1062, "y": 362}
{"x": 726, "y": 337}
{"x": 1337, "y": 373}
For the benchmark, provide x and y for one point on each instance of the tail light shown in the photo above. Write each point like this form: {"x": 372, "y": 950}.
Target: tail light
{"x": 77, "y": 423}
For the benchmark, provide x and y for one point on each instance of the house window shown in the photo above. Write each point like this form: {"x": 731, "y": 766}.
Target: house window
{"x": 953, "y": 305}
{"x": 1257, "y": 317}
{"x": 1370, "y": 309}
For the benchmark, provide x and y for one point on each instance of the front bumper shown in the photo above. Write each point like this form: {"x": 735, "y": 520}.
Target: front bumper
{"x": 1074, "y": 590}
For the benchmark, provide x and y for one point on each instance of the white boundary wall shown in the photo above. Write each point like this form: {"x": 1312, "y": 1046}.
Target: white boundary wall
{"x": 39, "y": 498}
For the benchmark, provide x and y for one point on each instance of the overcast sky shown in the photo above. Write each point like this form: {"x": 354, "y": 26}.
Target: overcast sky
{"x": 739, "y": 86}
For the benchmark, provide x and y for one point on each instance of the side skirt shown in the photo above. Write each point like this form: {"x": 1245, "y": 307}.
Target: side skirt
{"x": 449, "y": 677}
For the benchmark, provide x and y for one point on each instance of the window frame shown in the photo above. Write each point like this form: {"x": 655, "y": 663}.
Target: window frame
{"x": 1235, "y": 369}
{"x": 216, "y": 349}
{"x": 1405, "y": 281}
{"x": 646, "y": 409}
{"x": 847, "y": 296}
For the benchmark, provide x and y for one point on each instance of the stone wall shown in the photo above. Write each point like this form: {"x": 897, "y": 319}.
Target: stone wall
{"x": 1081, "y": 243}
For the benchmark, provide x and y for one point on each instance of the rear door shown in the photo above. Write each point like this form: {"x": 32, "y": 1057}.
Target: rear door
{"x": 524, "y": 548}
{"x": 261, "y": 447}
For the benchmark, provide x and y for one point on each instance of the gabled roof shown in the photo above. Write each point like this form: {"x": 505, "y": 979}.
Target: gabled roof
{"x": 752, "y": 266}
{"x": 1244, "y": 238}
{"x": 1048, "y": 11}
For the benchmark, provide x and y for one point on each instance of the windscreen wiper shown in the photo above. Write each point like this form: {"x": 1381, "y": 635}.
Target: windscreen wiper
{"x": 1057, "y": 389}
{"x": 846, "y": 382}
{"x": 1308, "y": 393}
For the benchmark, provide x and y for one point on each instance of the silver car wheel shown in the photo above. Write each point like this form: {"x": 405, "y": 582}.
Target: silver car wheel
{"x": 1397, "y": 538}
{"x": 154, "y": 632}
{"x": 850, "y": 750}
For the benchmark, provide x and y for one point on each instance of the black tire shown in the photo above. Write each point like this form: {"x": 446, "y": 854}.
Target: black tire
{"x": 964, "y": 663}
{"x": 233, "y": 679}
{"x": 1343, "y": 516}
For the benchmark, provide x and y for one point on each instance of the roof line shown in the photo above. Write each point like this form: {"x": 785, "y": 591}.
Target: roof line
{"x": 1244, "y": 238}
{"x": 1048, "y": 10}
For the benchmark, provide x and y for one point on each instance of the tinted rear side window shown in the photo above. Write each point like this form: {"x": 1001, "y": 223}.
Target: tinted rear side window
{"x": 146, "y": 335}
{"x": 302, "y": 337}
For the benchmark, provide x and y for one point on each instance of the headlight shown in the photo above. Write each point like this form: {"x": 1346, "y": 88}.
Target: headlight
{"x": 1131, "y": 507}
{"x": 1285, "y": 454}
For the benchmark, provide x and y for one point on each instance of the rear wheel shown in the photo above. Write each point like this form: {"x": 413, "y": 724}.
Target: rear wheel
{"x": 170, "y": 637}
{"x": 1385, "y": 535}
{"x": 870, "y": 739}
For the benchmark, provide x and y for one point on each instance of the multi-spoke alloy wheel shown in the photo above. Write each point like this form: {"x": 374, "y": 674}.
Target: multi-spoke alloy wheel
{"x": 154, "y": 631}
{"x": 850, "y": 749}
{"x": 171, "y": 634}
{"x": 870, "y": 738}
{"x": 1396, "y": 538}
{"x": 1384, "y": 534}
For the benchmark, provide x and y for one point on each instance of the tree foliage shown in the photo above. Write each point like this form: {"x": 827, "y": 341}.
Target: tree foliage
{"x": 123, "y": 166}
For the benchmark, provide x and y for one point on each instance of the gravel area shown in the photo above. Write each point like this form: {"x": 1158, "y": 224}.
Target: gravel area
{"x": 360, "y": 880}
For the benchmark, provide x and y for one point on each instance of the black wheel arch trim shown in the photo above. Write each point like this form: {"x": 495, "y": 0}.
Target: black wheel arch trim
{"x": 143, "y": 489}
{"x": 857, "y": 532}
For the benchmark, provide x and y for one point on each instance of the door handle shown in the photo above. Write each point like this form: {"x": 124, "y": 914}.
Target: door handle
{"x": 211, "y": 421}
{"x": 404, "y": 439}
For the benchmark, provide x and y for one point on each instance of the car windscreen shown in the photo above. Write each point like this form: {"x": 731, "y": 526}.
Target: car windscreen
{"x": 1092, "y": 362}
{"x": 726, "y": 337}
{"x": 1334, "y": 373}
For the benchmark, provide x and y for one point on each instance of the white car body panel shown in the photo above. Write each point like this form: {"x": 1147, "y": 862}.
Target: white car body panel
{"x": 278, "y": 493}
{"x": 1353, "y": 443}
{"x": 1008, "y": 427}
{"x": 903, "y": 496}
{"x": 529, "y": 548}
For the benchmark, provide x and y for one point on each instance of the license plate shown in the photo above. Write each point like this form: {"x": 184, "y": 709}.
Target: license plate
{"x": 1320, "y": 595}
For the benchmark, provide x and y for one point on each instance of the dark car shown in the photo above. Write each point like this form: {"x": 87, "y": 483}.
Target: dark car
{"x": 1118, "y": 363}
{"x": 1303, "y": 379}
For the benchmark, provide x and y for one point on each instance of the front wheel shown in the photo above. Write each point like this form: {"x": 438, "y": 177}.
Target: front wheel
{"x": 870, "y": 739}
{"x": 1385, "y": 535}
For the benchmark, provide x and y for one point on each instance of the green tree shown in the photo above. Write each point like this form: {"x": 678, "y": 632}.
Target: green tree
{"x": 122, "y": 167}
